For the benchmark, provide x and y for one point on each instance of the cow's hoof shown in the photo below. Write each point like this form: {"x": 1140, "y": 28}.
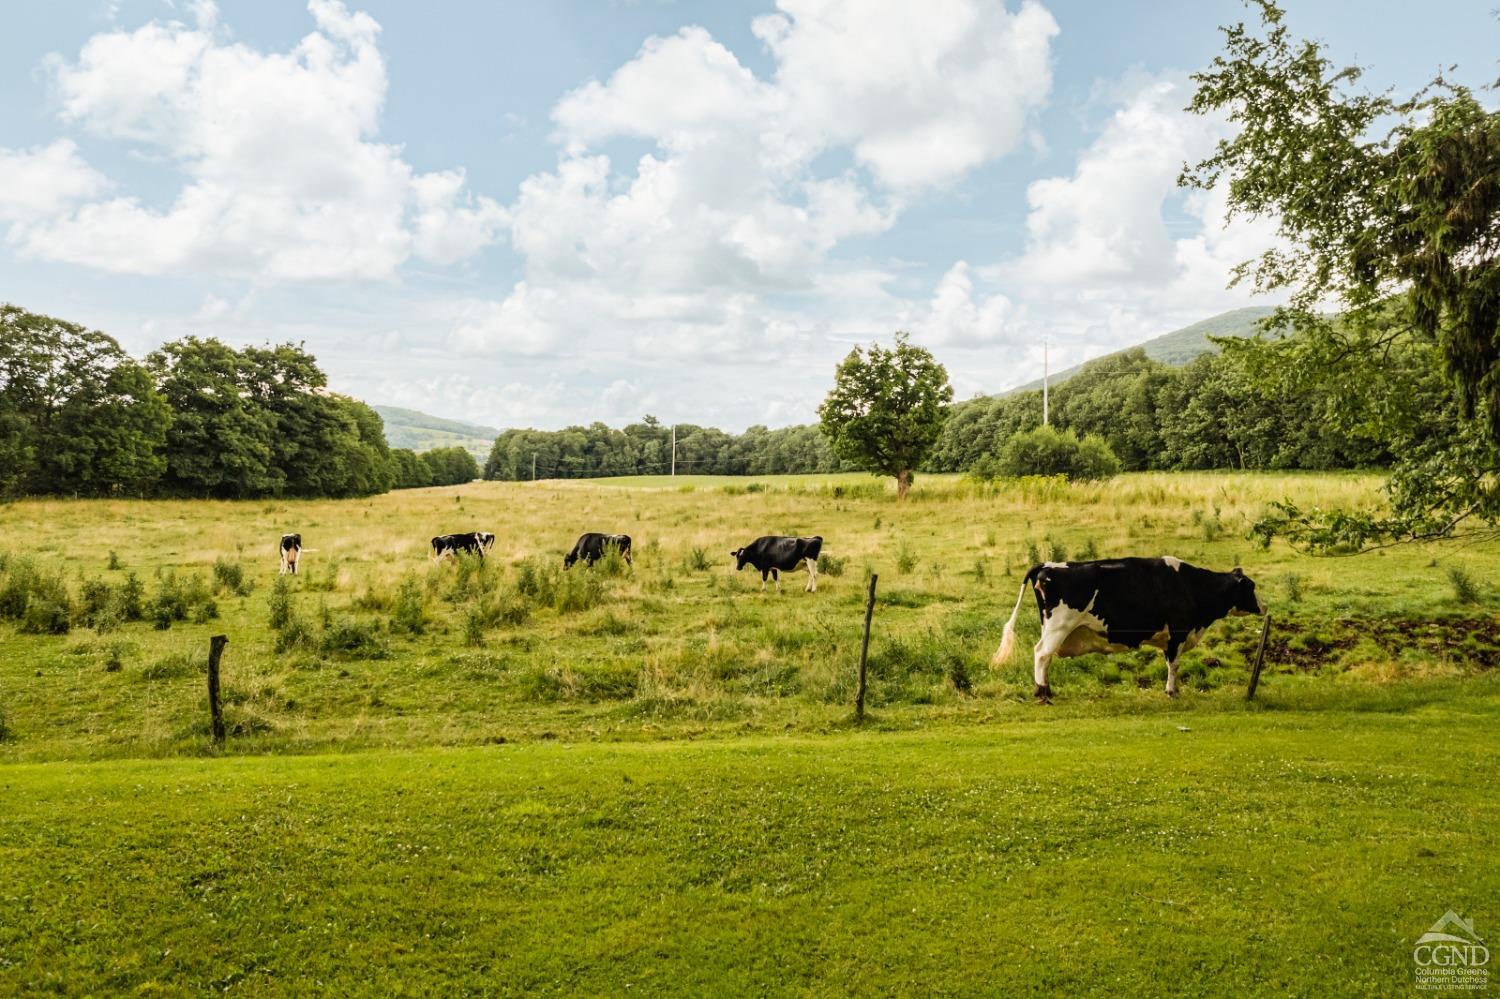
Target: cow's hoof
{"x": 1043, "y": 693}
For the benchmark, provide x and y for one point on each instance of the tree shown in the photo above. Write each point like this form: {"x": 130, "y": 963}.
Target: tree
{"x": 887, "y": 409}
{"x": 77, "y": 414}
{"x": 1049, "y": 451}
{"x": 1391, "y": 208}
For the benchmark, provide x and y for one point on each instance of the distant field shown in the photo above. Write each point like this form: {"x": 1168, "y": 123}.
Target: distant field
{"x": 506, "y": 779}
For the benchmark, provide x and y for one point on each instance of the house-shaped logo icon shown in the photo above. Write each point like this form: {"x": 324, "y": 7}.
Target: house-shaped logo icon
{"x": 1452, "y": 928}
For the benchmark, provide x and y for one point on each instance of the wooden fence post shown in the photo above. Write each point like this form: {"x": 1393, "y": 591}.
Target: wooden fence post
{"x": 864, "y": 651}
{"x": 215, "y": 650}
{"x": 1260, "y": 658}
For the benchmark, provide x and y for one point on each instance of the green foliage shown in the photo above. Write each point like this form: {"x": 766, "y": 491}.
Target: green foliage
{"x": 231, "y": 576}
{"x": 409, "y": 613}
{"x": 887, "y": 409}
{"x": 1049, "y": 451}
{"x": 450, "y": 466}
{"x": 1465, "y": 589}
{"x": 1389, "y": 208}
{"x": 410, "y": 471}
{"x": 280, "y": 603}
{"x": 906, "y": 559}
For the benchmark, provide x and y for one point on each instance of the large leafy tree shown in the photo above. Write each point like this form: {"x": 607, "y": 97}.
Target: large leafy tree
{"x": 887, "y": 409}
{"x": 1389, "y": 211}
{"x": 77, "y": 414}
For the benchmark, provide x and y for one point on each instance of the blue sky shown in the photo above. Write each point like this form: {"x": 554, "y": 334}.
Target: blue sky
{"x": 556, "y": 212}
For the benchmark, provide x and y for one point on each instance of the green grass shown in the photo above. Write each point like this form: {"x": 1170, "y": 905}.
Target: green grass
{"x": 1269, "y": 851}
{"x": 372, "y": 646}
{"x": 509, "y": 779}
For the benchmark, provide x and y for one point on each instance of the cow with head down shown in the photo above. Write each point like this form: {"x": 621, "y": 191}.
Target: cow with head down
{"x": 1112, "y": 605}
{"x": 774, "y": 554}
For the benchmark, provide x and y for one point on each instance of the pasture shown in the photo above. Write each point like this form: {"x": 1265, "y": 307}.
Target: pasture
{"x": 372, "y": 645}
{"x": 502, "y": 778}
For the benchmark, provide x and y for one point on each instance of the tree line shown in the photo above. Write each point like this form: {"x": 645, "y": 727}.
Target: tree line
{"x": 195, "y": 418}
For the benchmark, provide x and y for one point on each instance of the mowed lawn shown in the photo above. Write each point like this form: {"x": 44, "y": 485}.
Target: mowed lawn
{"x": 1274, "y": 852}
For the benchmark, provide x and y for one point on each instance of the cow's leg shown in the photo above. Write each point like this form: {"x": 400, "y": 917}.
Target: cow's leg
{"x": 1056, "y": 628}
{"x": 776, "y": 575}
{"x": 812, "y": 576}
{"x": 763, "y": 574}
{"x": 1172, "y": 652}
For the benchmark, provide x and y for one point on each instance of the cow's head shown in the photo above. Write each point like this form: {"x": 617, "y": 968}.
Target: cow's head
{"x": 570, "y": 558}
{"x": 1242, "y": 598}
{"x": 739, "y": 557}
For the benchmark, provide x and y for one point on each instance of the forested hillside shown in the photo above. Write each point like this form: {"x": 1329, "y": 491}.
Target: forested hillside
{"x": 408, "y": 428}
{"x": 1180, "y": 346}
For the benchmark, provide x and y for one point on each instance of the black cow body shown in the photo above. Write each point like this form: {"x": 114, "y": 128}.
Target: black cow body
{"x": 471, "y": 542}
{"x": 291, "y": 551}
{"x": 773, "y": 555}
{"x": 591, "y": 547}
{"x": 1117, "y": 604}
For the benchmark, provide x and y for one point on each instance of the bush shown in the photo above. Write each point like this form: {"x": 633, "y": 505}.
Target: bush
{"x": 354, "y": 638}
{"x": 1049, "y": 451}
{"x": 231, "y": 576}
{"x": 130, "y": 599}
{"x": 409, "y": 614}
{"x": 906, "y": 559}
{"x": 697, "y": 560}
{"x": 1465, "y": 589}
{"x": 832, "y": 565}
{"x": 281, "y": 602}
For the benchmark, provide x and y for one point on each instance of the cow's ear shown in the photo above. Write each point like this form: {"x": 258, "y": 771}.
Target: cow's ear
{"x": 1239, "y": 573}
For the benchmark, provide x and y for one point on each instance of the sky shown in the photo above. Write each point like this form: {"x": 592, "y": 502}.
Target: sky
{"x": 554, "y": 212}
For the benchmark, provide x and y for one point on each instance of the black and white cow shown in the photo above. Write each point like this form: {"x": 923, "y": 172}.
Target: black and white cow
{"x": 291, "y": 551}
{"x": 773, "y": 555}
{"x": 591, "y": 547}
{"x": 472, "y": 542}
{"x": 1116, "y": 604}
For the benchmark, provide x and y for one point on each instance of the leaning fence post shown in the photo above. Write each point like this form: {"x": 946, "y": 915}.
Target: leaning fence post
{"x": 1260, "y": 658}
{"x": 215, "y": 650}
{"x": 864, "y": 651}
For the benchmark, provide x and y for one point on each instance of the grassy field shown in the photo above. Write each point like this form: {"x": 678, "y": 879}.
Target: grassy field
{"x": 374, "y": 646}
{"x": 506, "y": 778}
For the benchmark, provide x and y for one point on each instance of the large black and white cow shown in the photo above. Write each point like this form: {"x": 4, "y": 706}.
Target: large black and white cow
{"x": 773, "y": 555}
{"x": 471, "y": 542}
{"x": 291, "y": 551}
{"x": 591, "y": 547}
{"x": 1116, "y": 604}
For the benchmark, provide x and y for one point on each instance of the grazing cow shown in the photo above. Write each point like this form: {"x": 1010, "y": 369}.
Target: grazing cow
{"x": 591, "y": 547}
{"x": 291, "y": 550}
{"x": 1118, "y": 604}
{"x": 472, "y": 542}
{"x": 773, "y": 555}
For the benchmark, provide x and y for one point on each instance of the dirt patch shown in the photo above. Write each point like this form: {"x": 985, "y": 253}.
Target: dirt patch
{"x": 1308, "y": 645}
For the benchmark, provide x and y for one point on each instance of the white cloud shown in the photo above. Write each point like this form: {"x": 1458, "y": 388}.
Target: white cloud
{"x": 283, "y": 178}
{"x": 956, "y": 316}
{"x": 41, "y": 182}
{"x": 922, "y": 93}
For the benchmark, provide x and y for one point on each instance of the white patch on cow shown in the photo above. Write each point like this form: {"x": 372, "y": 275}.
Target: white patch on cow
{"x": 1173, "y": 561}
{"x": 812, "y": 576}
{"x": 1054, "y": 565}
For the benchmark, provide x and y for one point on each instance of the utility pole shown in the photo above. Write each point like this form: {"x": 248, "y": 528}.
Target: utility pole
{"x": 1045, "y": 373}
{"x": 533, "y": 466}
{"x": 674, "y": 450}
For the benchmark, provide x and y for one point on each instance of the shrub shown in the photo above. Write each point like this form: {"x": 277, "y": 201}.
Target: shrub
{"x": 697, "y": 560}
{"x": 281, "y": 602}
{"x": 1049, "y": 451}
{"x": 409, "y": 613}
{"x": 1465, "y": 589}
{"x": 114, "y": 561}
{"x": 1293, "y": 587}
{"x": 294, "y": 633}
{"x": 130, "y": 599}
{"x": 832, "y": 565}
{"x": 613, "y": 563}
{"x": 906, "y": 559}
{"x": 579, "y": 592}
{"x": 351, "y": 637}
{"x": 231, "y": 576}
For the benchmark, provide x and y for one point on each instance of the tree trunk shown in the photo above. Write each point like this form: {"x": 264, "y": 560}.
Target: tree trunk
{"x": 903, "y": 483}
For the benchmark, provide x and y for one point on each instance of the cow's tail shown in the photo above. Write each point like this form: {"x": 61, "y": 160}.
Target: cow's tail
{"x": 1008, "y": 638}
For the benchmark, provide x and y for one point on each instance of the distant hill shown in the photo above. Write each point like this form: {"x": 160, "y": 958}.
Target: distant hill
{"x": 1180, "y": 346}
{"x": 420, "y": 432}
